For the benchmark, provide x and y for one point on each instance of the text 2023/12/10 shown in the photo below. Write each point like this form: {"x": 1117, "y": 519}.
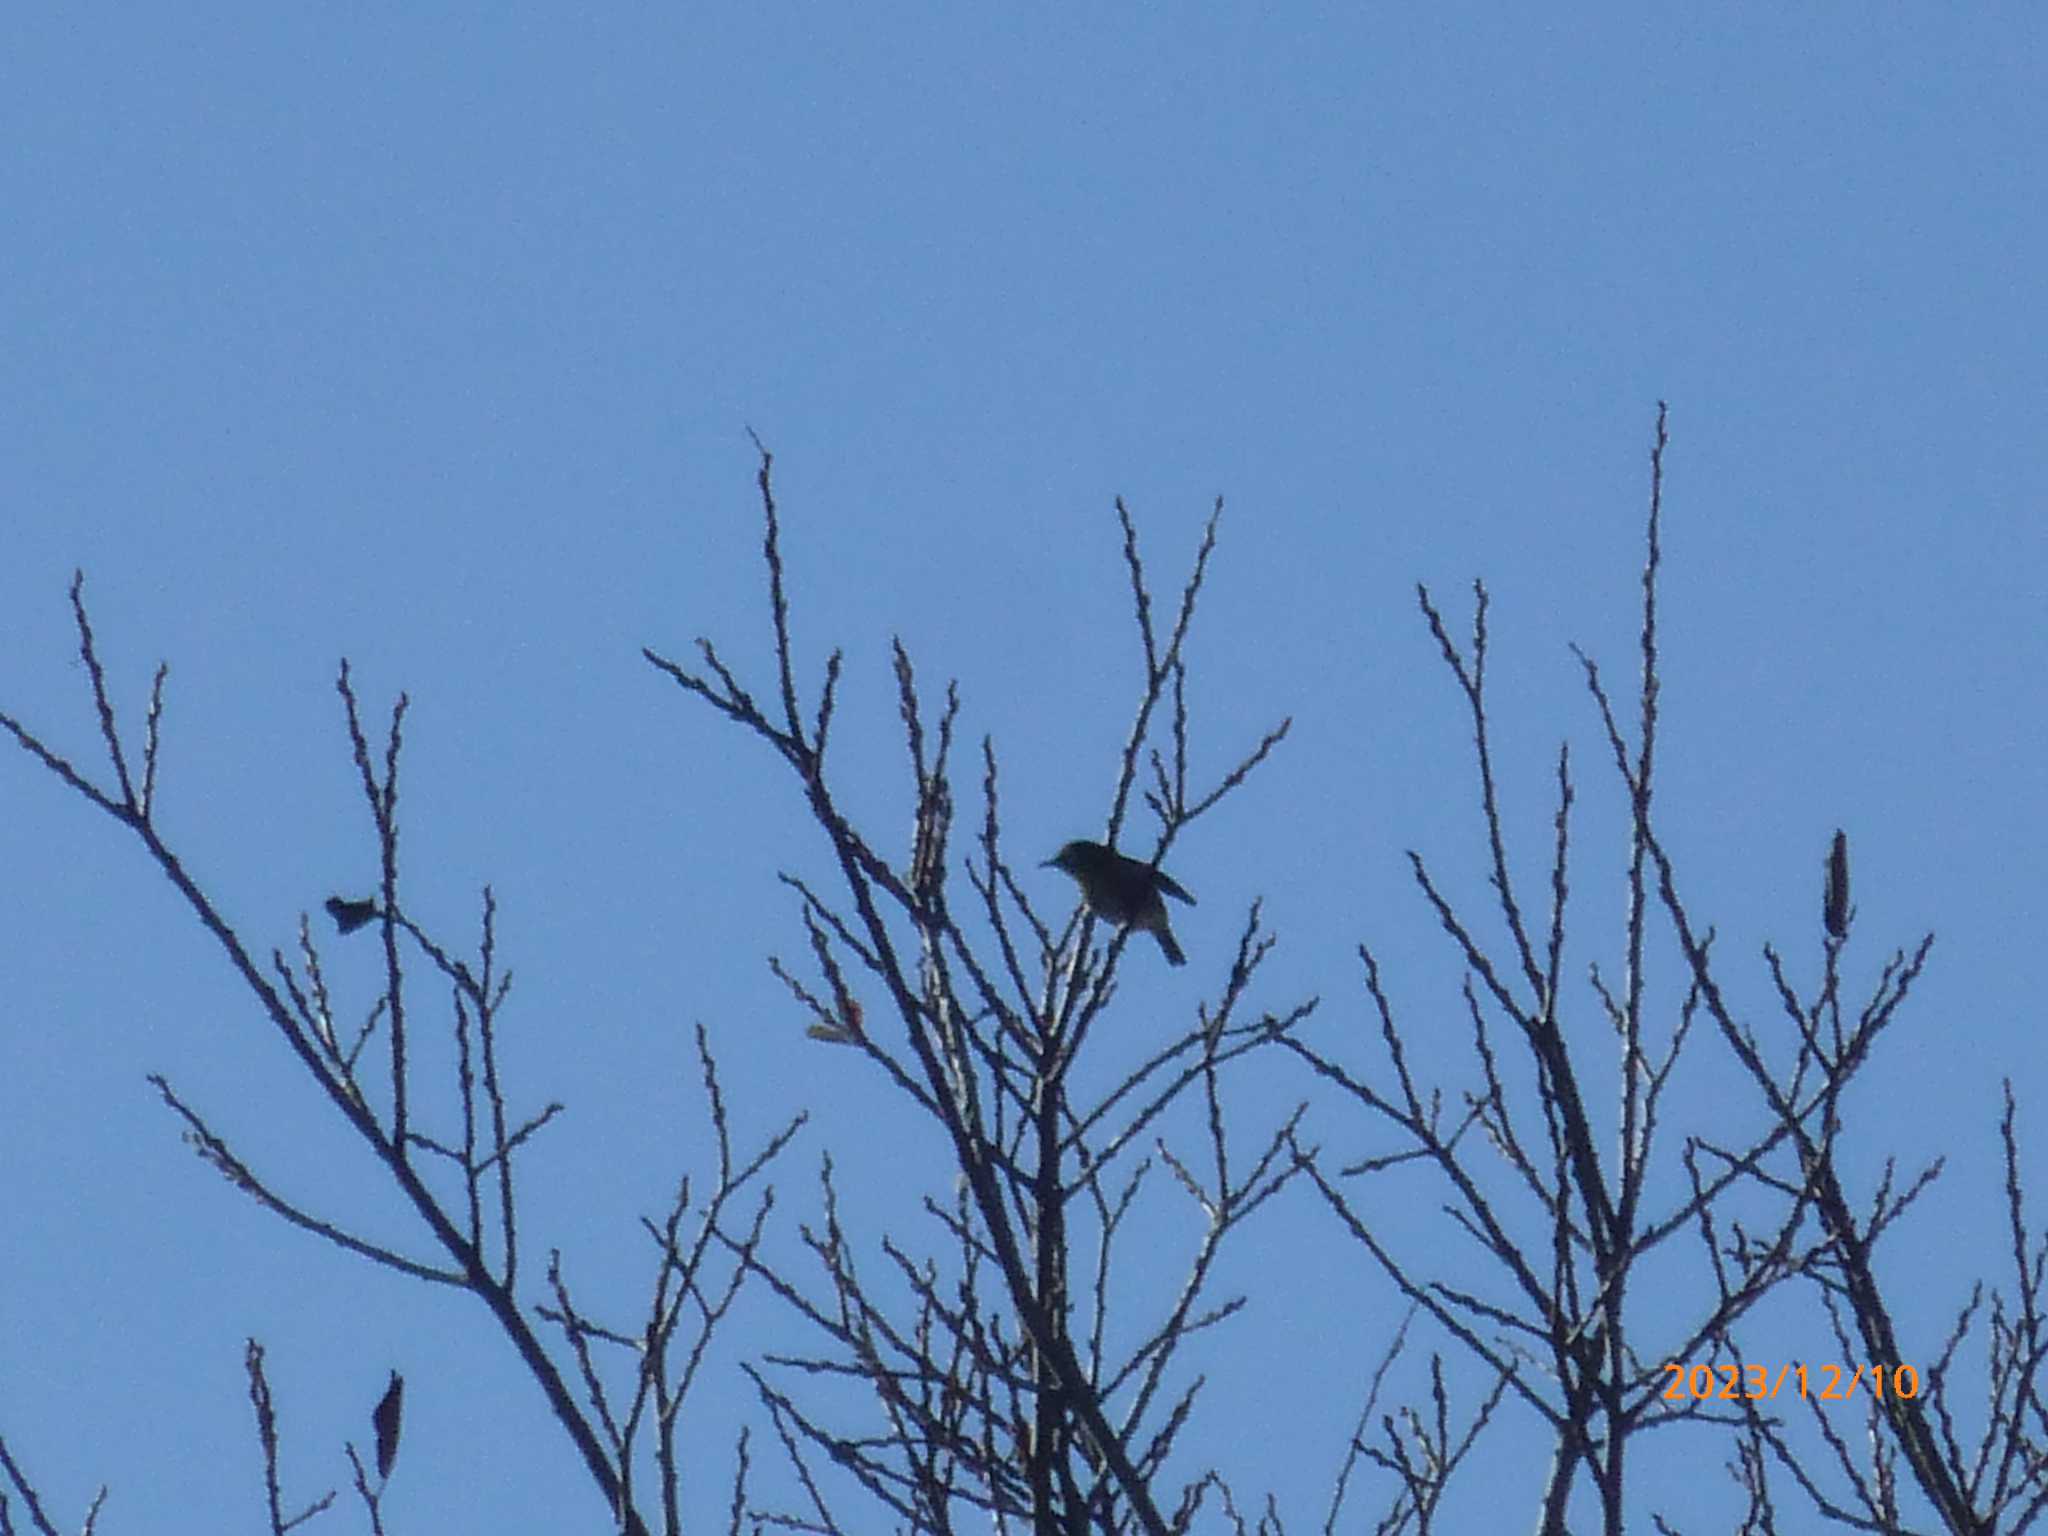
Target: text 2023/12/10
{"x": 1827, "y": 1383}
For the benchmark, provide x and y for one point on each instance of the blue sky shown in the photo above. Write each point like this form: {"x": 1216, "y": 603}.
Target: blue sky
{"x": 432, "y": 341}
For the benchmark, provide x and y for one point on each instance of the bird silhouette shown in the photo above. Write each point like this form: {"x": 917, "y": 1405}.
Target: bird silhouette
{"x": 1123, "y": 890}
{"x": 350, "y": 915}
{"x": 1834, "y": 907}
{"x": 384, "y": 1419}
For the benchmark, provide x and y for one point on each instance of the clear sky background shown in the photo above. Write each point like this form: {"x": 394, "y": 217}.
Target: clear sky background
{"x": 432, "y": 342}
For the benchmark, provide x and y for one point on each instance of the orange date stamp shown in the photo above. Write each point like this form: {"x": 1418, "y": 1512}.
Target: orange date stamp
{"x": 1823, "y": 1383}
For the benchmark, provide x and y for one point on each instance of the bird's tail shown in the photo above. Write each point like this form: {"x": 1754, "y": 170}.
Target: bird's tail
{"x": 1165, "y": 937}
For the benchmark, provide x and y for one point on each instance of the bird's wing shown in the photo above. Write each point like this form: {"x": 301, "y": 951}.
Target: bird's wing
{"x": 1173, "y": 887}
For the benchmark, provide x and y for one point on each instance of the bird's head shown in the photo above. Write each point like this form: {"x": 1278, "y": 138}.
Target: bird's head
{"x": 1076, "y": 857}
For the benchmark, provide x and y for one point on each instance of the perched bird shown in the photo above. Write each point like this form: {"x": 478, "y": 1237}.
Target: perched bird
{"x": 384, "y": 1419}
{"x": 350, "y": 915}
{"x": 1123, "y": 891}
{"x": 1834, "y": 907}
